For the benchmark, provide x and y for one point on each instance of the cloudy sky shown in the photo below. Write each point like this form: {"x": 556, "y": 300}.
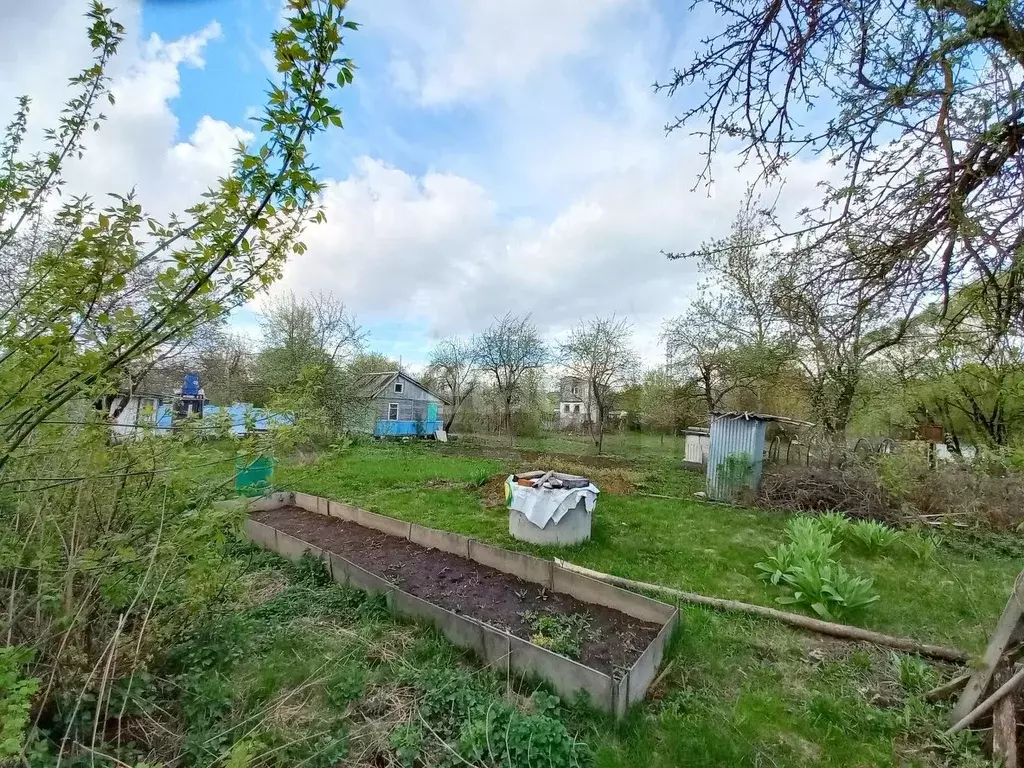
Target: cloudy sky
{"x": 496, "y": 156}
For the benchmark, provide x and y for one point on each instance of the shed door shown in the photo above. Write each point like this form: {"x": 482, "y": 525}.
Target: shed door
{"x": 431, "y": 411}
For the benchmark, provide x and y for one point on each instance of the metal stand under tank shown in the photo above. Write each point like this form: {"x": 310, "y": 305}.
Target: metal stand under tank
{"x": 573, "y": 528}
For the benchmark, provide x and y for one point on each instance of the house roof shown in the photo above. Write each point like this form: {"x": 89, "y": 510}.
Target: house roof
{"x": 372, "y": 384}
{"x": 751, "y": 416}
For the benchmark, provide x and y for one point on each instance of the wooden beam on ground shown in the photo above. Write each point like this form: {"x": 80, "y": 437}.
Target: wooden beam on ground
{"x": 986, "y": 706}
{"x": 997, "y": 643}
{"x": 832, "y": 629}
{"x": 944, "y": 691}
{"x": 1004, "y": 725}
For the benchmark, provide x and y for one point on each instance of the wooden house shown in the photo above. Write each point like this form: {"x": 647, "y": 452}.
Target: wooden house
{"x": 397, "y": 404}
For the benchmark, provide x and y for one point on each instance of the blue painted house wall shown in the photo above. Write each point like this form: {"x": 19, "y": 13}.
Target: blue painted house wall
{"x": 412, "y": 411}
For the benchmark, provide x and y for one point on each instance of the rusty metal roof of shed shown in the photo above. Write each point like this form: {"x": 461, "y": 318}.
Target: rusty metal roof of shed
{"x": 752, "y": 416}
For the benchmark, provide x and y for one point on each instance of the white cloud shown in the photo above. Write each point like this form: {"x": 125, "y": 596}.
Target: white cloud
{"x": 436, "y": 250}
{"x": 449, "y": 50}
{"x": 138, "y": 145}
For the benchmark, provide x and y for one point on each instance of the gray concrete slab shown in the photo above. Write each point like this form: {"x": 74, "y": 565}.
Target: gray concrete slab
{"x": 342, "y": 511}
{"x": 442, "y": 540}
{"x": 359, "y": 578}
{"x": 308, "y": 502}
{"x": 389, "y": 525}
{"x": 566, "y": 676}
{"x": 261, "y": 534}
{"x": 645, "y": 669}
{"x": 460, "y": 630}
{"x": 271, "y": 501}
{"x": 526, "y": 567}
{"x": 573, "y": 528}
{"x": 593, "y": 591}
{"x": 293, "y": 548}
{"x": 497, "y": 648}
{"x": 339, "y": 568}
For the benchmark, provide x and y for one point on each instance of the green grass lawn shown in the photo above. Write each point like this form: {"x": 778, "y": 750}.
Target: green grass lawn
{"x": 621, "y": 444}
{"x": 738, "y": 691}
{"x": 706, "y": 548}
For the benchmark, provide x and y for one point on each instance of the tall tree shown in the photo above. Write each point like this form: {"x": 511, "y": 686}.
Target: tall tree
{"x": 917, "y": 103}
{"x": 453, "y": 366}
{"x": 839, "y": 327}
{"x": 600, "y": 352}
{"x": 508, "y": 350}
{"x": 733, "y": 336}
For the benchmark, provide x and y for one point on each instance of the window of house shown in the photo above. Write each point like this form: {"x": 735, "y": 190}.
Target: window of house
{"x": 576, "y": 409}
{"x": 392, "y": 411}
{"x": 575, "y": 391}
{"x": 399, "y": 387}
{"x": 566, "y": 407}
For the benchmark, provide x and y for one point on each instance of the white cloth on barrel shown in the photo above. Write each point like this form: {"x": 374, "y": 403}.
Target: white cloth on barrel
{"x": 543, "y": 505}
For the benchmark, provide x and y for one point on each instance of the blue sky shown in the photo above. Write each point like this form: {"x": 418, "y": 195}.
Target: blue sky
{"x": 497, "y": 157}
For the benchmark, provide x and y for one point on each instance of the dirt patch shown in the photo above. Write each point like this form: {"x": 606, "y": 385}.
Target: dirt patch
{"x": 614, "y": 640}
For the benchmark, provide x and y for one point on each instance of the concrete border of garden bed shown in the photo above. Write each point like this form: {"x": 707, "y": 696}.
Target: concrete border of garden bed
{"x": 496, "y": 647}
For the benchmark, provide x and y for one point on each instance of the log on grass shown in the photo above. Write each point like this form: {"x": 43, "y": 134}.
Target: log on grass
{"x": 832, "y": 629}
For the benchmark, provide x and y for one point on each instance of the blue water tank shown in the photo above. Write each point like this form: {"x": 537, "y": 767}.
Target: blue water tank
{"x": 191, "y": 385}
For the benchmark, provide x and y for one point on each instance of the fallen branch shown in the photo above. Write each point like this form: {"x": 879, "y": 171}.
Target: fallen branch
{"x": 1008, "y": 687}
{"x": 944, "y": 691}
{"x": 832, "y": 629}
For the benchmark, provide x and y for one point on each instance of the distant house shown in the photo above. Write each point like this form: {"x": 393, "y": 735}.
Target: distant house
{"x": 397, "y": 404}
{"x": 576, "y": 406}
{"x": 133, "y": 414}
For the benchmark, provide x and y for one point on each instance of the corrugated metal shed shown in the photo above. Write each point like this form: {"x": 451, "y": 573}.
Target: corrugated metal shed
{"x": 736, "y": 455}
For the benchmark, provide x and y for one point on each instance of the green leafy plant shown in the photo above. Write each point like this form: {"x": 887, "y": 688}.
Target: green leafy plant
{"x": 920, "y": 544}
{"x": 807, "y": 542}
{"x": 16, "y": 694}
{"x": 914, "y": 674}
{"x": 835, "y": 523}
{"x": 810, "y": 540}
{"x": 872, "y": 536}
{"x": 558, "y": 632}
{"x": 827, "y": 588}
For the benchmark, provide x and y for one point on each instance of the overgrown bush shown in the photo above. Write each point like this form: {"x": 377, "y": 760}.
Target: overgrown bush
{"x": 900, "y": 493}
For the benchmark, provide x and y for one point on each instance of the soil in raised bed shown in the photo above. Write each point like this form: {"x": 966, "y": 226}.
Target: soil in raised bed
{"x": 614, "y": 640}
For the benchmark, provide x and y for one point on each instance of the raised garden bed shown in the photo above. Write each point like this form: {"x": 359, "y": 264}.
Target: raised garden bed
{"x": 482, "y": 597}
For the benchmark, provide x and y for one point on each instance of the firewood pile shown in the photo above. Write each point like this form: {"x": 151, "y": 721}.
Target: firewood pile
{"x": 550, "y": 479}
{"x": 991, "y": 696}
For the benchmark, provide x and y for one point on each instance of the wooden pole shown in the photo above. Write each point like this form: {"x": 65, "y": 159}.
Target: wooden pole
{"x": 1004, "y": 726}
{"x": 832, "y": 629}
{"x": 1009, "y": 621}
{"x": 1008, "y": 687}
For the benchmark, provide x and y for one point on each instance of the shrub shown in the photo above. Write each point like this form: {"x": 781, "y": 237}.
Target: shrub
{"x": 827, "y": 588}
{"x": 919, "y": 543}
{"x": 834, "y": 522}
{"x": 811, "y": 541}
{"x": 872, "y": 536}
{"x": 804, "y": 565}
{"x": 899, "y": 492}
